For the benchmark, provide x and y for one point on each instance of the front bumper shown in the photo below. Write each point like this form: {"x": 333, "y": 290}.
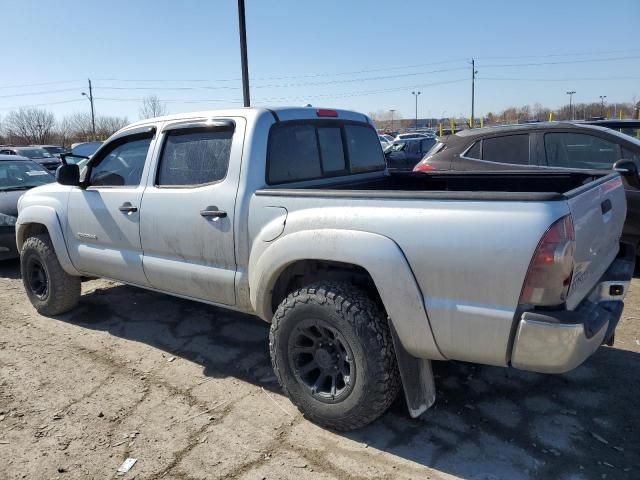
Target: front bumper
{"x": 558, "y": 341}
{"x": 8, "y": 248}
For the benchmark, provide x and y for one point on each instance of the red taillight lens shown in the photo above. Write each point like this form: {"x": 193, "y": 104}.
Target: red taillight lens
{"x": 423, "y": 167}
{"x": 549, "y": 276}
{"x": 325, "y": 112}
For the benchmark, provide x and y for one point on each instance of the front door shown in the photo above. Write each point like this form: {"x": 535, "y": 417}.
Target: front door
{"x": 187, "y": 223}
{"x": 103, "y": 228}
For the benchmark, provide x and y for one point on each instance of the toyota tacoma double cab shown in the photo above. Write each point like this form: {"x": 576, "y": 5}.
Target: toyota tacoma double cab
{"x": 366, "y": 278}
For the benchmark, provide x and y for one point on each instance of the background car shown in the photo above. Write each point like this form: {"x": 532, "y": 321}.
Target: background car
{"x": 385, "y": 141}
{"x": 409, "y": 136}
{"x": 54, "y": 150}
{"x": 547, "y": 145}
{"x": 626, "y": 126}
{"x": 403, "y": 155}
{"x": 17, "y": 174}
{"x": 85, "y": 149}
{"x": 37, "y": 154}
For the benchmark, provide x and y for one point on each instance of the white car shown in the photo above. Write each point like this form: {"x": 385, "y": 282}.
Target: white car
{"x": 385, "y": 140}
{"x": 409, "y": 136}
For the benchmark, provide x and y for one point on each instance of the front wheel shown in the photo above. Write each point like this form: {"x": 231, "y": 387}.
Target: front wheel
{"x": 332, "y": 353}
{"x": 50, "y": 289}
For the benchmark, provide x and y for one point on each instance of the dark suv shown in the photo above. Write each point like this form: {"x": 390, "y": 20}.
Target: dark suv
{"x": 37, "y": 154}
{"x": 555, "y": 145}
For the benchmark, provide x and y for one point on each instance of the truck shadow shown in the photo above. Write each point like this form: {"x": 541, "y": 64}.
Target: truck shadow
{"x": 488, "y": 422}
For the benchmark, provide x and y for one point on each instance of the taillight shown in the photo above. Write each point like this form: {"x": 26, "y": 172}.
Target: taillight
{"x": 423, "y": 167}
{"x": 549, "y": 276}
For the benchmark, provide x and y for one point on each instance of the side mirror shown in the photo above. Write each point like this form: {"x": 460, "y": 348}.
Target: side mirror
{"x": 629, "y": 170}
{"x": 68, "y": 175}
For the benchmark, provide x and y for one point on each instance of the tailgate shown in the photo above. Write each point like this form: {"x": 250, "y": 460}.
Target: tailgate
{"x": 598, "y": 211}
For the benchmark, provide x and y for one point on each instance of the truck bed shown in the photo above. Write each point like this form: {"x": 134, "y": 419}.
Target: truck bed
{"x": 521, "y": 186}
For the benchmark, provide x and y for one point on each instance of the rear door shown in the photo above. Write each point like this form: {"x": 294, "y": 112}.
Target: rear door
{"x": 598, "y": 210}
{"x": 188, "y": 210}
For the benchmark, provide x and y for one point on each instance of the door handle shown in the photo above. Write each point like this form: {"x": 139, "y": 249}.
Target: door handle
{"x": 126, "y": 207}
{"x": 213, "y": 212}
{"x": 606, "y": 206}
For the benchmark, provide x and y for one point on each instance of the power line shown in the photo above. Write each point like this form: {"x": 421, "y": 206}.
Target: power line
{"x": 550, "y": 55}
{"x": 563, "y": 62}
{"x": 31, "y": 94}
{"x": 41, "y": 104}
{"x": 57, "y": 82}
{"x": 576, "y": 79}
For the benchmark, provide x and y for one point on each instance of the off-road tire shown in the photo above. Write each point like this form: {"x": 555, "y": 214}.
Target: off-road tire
{"x": 364, "y": 326}
{"x": 63, "y": 290}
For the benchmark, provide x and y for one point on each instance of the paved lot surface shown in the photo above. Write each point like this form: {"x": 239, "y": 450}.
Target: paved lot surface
{"x": 188, "y": 391}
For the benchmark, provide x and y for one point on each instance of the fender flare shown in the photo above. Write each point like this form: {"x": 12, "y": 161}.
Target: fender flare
{"x": 380, "y": 256}
{"x": 48, "y": 217}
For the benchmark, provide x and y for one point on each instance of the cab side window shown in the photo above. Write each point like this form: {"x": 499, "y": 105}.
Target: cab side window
{"x": 123, "y": 165}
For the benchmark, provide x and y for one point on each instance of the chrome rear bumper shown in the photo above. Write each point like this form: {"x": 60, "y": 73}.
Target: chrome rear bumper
{"x": 558, "y": 341}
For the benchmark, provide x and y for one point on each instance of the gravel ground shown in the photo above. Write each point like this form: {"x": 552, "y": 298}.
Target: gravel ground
{"x": 188, "y": 391}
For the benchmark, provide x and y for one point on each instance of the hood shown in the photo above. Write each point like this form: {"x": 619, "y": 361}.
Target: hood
{"x": 9, "y": 202}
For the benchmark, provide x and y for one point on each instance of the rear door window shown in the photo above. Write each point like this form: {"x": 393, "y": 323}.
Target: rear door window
{"x": 192, "y": 158}
{"x": 578, "y": 150}
{"x": 512, "y": 149}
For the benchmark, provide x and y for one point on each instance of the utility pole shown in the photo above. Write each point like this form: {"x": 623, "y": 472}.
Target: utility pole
{"x": 243, "y": 54}
{"x": 602, "y": 97}
{"x": 93, "y": 115}
{"x": 473, "y": 90}
{"x": 415, "y": 94}
{"x": 570, "y": 93}
{"x": 392, "y": 112}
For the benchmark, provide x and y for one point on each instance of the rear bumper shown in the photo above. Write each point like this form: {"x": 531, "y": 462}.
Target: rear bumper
{"x": 558, "y": 341}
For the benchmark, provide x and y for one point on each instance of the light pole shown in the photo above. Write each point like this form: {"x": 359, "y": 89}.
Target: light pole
{"x": 243, "y": 54}
{"x": 602, "y": 97}
{"x": 473, "y": 90}
{"x": 415, "y": 94}
{"x": 570, "y": 93}
{"x": 93, "y": 115}
{"x": 392, "y": 112}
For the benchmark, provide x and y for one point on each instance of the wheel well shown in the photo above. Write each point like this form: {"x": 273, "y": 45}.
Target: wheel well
{"x": 30, "y": 230}
{"x": 305, "y": 272}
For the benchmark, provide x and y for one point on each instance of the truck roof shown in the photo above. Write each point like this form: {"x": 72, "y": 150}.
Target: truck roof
{"x": 279, "y": 113}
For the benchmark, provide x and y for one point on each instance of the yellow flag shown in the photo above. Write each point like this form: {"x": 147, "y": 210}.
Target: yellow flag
{"x": 551, "y": 116}
{"x": 482, "y": 122}
{"x": 440, "y": 126}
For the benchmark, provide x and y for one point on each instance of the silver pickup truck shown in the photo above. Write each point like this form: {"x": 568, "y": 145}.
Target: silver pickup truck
{"x": 366, "y": 277}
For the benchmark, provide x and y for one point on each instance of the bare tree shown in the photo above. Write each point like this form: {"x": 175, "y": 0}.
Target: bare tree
{"x": 29, "y": 125}
{"x": 152, "y": 107}
{"x": 107, "y": 126}
{"x": 382, "y": 119}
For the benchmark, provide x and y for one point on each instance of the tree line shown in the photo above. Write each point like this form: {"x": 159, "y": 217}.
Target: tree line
{"x": 37, "y": 126}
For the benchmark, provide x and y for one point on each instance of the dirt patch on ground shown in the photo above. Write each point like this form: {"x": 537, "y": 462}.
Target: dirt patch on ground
{"x": 188, "y": 391}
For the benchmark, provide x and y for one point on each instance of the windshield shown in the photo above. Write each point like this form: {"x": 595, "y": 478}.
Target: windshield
{"x": 22, "y": 175}
{"x": 33, "y": 153}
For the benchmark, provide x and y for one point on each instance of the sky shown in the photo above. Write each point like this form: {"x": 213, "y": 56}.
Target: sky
{"x": 353, "y": 54}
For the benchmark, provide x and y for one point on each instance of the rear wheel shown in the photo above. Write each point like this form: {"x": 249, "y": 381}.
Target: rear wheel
{"x": 50, "y": 289}
{"x": 333, "y": 355}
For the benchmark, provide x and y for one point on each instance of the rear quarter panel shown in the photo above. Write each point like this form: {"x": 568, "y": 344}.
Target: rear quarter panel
{"x": 469, "y": 258}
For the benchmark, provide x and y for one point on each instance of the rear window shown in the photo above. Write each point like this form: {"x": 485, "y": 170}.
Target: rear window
{"x": 309, "y": 150}
{"x": 474, "y": 151}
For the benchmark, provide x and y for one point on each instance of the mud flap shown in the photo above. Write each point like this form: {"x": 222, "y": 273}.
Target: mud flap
{"x": 417, "y": 378}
